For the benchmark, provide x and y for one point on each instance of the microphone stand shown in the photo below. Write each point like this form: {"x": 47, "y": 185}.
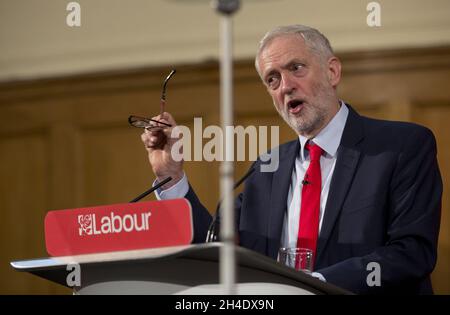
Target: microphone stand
{"x": 149, "y": 191}
{"x": 227, "y": 265}
{"x": 212, "y": 235}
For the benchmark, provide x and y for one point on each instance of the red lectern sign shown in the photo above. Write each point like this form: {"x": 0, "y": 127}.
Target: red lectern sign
{"x": 118, "y": 227}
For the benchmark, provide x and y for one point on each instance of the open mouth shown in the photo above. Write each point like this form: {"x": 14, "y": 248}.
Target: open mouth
{"x": 294, "y": 106}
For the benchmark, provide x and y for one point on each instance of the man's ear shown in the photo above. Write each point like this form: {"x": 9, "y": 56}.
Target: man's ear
{"x": 334, "y": 71}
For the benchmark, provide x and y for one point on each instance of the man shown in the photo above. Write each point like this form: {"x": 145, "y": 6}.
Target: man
{"x": 361, "y": 193}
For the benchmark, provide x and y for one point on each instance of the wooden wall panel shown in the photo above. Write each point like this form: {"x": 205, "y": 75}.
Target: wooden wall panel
{"x": 65, "y": 142}
{"x": 24, "y": 198}
{"x": 114, "y": 164}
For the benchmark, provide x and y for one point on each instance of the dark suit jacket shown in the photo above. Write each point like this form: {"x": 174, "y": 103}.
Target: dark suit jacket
{"x": 383, "y": 206}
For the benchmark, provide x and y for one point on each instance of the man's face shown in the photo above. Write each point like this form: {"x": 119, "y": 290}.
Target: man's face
{"x": 302, "y": 85}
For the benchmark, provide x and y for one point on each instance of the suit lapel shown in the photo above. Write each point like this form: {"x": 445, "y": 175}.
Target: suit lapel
{"x": 344, "y": 171}
{"x": 280, "y": 187}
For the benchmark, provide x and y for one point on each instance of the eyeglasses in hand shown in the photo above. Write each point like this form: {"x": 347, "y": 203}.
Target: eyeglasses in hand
{"x": 153, "y": 124}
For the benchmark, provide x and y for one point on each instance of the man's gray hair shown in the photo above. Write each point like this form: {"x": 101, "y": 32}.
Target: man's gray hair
{"x": 314, "y": 40}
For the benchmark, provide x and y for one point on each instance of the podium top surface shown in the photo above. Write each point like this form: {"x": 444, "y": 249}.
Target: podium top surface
{"x": 31, "y": 265}
{"x": 54, "y": 268}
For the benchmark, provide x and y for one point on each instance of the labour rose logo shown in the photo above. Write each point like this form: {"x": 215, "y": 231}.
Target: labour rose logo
{"x": 85, "y": 222}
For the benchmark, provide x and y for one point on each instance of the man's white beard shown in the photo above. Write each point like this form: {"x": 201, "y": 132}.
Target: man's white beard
{"x": 304, "y": 125}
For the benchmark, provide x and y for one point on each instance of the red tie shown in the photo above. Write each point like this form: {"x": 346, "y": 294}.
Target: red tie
{"x": 310, "y": 207}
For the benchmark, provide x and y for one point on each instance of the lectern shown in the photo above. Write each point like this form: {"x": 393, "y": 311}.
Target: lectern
{"x": 189, "y": 269}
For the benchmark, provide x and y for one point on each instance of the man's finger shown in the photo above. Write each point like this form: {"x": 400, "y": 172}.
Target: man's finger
{"x": 167, "y": 118}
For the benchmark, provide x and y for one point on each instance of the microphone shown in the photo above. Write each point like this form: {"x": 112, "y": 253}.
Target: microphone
{"x": 213, "y": 230}
{"x": 147, "y": 192}
{"x": 305, "y": 180}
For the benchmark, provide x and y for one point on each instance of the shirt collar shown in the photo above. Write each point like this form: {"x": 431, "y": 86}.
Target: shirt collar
{"x": 329, "y": 137}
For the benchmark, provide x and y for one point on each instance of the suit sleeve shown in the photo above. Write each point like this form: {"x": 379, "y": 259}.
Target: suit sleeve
{"x": 202, "y": 218}
{"x": 410, "y": 251}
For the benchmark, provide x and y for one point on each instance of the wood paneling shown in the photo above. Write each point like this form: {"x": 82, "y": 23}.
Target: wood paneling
{"x": 65, "y": 142}
{"x": 25, "y": 192}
